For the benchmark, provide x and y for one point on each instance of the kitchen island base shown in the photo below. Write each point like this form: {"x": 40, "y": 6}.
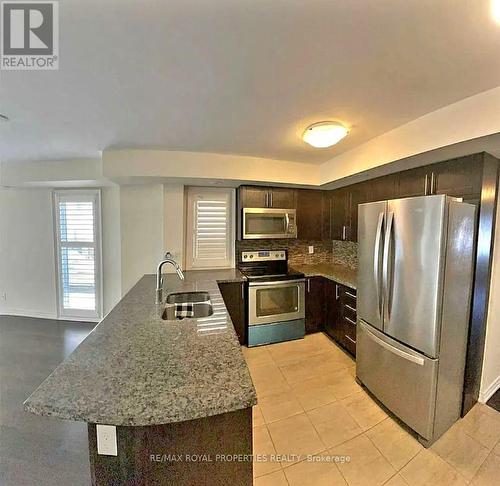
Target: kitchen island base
{"x": 215, "y": 450}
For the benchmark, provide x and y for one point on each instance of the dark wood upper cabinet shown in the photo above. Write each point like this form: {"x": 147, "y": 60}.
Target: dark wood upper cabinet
{"x": 459, "y": 177}
{"x": 358, "y": 194}
{"x": 310, "y": 214}
{"x": 413, "y": 182}
{"x": 382, "y": 188}
{"x": 253, "y": 196}
{"x": 283, "y": 198}
{"x": 339, "y": 220}
{"x": 267, "y": 197}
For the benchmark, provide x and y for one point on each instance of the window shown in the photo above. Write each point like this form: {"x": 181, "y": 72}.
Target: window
{"x": 210, "y": 228}
{"x": 78, "y": 241}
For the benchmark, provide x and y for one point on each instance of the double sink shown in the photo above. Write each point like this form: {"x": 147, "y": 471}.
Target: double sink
{"x": 200, "y": 302}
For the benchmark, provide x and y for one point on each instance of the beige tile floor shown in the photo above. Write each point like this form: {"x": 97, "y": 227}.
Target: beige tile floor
{"x": 313, "y": 415}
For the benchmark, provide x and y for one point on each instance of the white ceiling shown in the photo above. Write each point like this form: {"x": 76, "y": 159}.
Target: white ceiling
{"x": 244, "y": 76}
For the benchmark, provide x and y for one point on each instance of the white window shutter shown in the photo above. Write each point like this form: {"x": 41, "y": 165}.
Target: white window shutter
{"x": 77, "y": 218}
{"x": 210, "y": 238}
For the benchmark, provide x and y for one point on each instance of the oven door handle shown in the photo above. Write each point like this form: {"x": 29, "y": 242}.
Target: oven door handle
{"x": 277, "y": 282}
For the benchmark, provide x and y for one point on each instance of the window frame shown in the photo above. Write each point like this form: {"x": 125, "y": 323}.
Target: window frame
{"x": 95, "y": 196}
{"x": 191, "y": 193}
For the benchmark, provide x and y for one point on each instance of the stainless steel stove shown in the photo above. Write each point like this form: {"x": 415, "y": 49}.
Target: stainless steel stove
{"x": 276, "y": 297}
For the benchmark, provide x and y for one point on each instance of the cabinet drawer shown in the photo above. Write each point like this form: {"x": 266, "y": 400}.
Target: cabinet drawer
{"x": 350, "y": 344}
{"x": 350, "y": 328}
{"x": 348, "y": 297}
{"x": 349, "y": 311}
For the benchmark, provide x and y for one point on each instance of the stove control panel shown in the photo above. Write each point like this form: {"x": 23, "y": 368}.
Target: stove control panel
{"x": 263, "y": 256}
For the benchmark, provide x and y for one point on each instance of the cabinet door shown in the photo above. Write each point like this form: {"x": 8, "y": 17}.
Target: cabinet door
{"x": 382, "y": 188}
{"x": 413, "y": 182}
{"x": 253, "y": 197}
{"x": 283, "y": 198}
{"x": 339, "y": 213}
{"x": 459, "y": 177}
{"x": 309, "y": 214}
{"x": 326, "y": 216}
{"x": 233, "y": 294}
{"x": 332, "y": 310}
{"x": 358, "y": 194}
{"x": 315, "y": 304}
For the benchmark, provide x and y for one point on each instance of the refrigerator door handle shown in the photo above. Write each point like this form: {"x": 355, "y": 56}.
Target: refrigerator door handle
{"x": 385, "y": 264}
{"x": 376, "y": 262}
{"x": 392, "y": 349}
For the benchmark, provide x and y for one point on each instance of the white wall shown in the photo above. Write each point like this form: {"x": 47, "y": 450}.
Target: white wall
{"x": 174, "y": 229}
{"x": 490, "y": 381}
{"x": 111, "y": 247}
{"x": 141, "y": 218}
{"x": 27, "y": 257}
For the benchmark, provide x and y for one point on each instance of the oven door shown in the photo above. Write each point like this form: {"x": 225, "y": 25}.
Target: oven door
{"x": 278, "y": 301}
{"x": 261, "y": 223}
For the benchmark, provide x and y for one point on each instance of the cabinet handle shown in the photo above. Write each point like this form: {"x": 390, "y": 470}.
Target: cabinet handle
{"x": 350, "y": 295}
{"x": 426, "y": 190}
{"x": 343, "y": 233}
{"x": 308, "y": 285}
{"x": 337, "y": 294}
{"x": 350, "y": 308}
{"x": 243, "y": 291}
{"x": 433, "y": 183}
{"x": 350, "y": 339}
{"x": 349, "y": 320}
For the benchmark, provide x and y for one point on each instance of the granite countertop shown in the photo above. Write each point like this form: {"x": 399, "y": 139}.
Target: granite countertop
{"x": 136, "y": 369}
{"x": 341, "y": 274}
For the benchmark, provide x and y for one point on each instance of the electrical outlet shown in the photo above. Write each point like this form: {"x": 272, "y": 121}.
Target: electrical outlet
{"x": 311, "y": 250}
{"x": 106, "y": 440}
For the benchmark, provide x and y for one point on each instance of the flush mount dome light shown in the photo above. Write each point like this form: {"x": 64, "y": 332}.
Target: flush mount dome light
{"x": 324, "y": 134}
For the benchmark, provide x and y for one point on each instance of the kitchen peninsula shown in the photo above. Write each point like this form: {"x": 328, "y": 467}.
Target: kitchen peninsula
{"x": 172, "y": 388}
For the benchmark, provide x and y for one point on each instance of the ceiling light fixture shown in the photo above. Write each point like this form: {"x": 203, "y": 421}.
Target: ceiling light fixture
{"x": 324, "y": 134}
{"x": 495, "y": 9}
{"x": 4, "y": 117}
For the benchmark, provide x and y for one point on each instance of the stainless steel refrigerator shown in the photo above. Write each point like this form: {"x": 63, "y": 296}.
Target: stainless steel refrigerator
{"x": 414, "y": 290}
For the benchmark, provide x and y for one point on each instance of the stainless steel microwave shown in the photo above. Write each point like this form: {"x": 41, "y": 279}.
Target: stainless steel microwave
{"x": 269, "y": 223}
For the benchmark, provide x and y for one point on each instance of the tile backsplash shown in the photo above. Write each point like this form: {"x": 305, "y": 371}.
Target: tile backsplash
{"x": 345, "y": 253}
{"x": 342, "y": 252}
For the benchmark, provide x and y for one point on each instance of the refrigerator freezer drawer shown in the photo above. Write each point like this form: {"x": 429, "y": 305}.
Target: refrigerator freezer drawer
{"x": 402, "y": 379}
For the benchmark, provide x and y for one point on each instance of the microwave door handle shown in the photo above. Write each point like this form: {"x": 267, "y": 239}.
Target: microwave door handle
{"x": 287, "y": 223}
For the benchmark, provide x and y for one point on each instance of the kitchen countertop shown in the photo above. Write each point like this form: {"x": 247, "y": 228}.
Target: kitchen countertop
{"x": 341, "y": 274}
{"x": 135, "y": 369}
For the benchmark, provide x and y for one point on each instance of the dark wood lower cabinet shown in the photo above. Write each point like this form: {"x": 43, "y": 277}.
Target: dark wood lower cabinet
{"x": 340, "y": 314}
{"x": 214, "y": 450}
{"x": 331, "y": 310}
{"x": 315, "y": 304}
{"x": 233, "y": 294}
{"x": 348, "y": 319}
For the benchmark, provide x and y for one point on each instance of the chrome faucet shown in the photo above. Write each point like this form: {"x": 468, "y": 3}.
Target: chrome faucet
{"x": 159, "y": 279}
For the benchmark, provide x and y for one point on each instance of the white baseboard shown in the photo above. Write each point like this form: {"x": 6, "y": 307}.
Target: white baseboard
{"x": 485, "y": 395}
{"x": 23, "y": 313}
{"x": 43, "y": 315}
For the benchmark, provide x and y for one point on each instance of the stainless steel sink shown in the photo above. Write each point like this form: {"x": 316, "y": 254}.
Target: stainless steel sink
{"x": 187, "y": 297}
{"x": 200, "y": 309}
